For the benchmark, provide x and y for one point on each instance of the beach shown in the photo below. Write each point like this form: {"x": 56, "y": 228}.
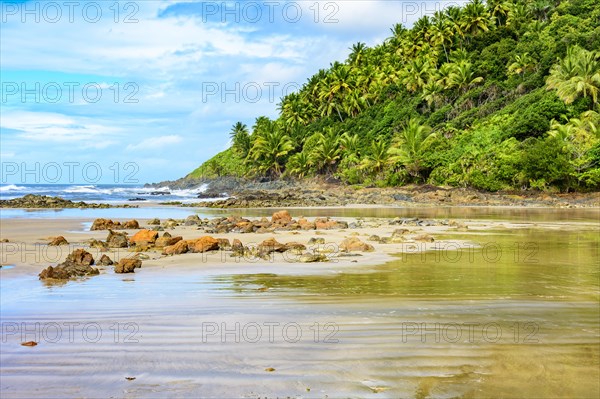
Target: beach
{"x": 499, "y": 295}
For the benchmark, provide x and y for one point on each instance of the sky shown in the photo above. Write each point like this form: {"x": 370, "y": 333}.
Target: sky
{"x": 119, "y": 92}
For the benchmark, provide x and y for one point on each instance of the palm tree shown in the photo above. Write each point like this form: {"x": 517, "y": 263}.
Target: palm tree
{"x": 540, "y": 9}
{"x": 270, "y": 148}
{"x": 327, "y": 153}
{"x": 578, "y": 74}
{"x": 378, "y": 158}
{"x": 518, "y": 14}
{"x": 475, "y": 18}
{"x": 407, "y": 147}
{"x": 299, "y": 165}
{"x": 499, "y": 10}
{"x": 350, "y": 146}
{"x": 417, "y": 74}
{"x": 441, "y": 33}
{"x": 521, "y": 64}
{"x": 357, "y": 55}
{"x": 464, "y": 77}
{"x": 454, "y": 17}
{"x": 240, "y": 139}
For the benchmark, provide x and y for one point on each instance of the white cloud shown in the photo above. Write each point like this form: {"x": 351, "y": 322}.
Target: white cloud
{"x": 155, "y": 142}
{"x": 54, "y": 127}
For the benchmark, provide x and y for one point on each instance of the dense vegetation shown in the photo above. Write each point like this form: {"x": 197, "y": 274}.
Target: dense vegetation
{"x": 496, "y": 95}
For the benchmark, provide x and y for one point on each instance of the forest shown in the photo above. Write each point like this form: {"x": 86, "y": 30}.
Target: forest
{"x": 495, "y": 95}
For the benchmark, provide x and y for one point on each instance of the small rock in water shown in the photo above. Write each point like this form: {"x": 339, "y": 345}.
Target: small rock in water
{"x": 29, "y": 343}
{"x": 270, "y": 369}
{"x": 130, "y": 378}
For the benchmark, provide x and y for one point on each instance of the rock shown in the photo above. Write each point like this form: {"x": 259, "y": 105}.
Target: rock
{"x": 102, "y": 224}
{"x": 128, "y": 265}
{"x": 355, "y": 244}
{"x": 4, "y": 240}
{"x": 281, "y": 217}
{"x": 192, "y": 220}
{"x": 60, "y": 240}
{"x": 237, "y": 247}
{"x": 131, "y": 224}
{"x": 107, "y": 224}
{"x": 154, "y": 222}
{"x": 101, "y": 245}
{"x": 328, "y": 224}
{"x": 374, "y": 237}
{"x": 398, "y": 236}
{"x": 105, "y": 261}
{"x": 423, "y": 237}
{"x": 166, "y": 241}
{"x": 271, "y": 245}
{"x": 141, "y": 256}
{"x": 77, "y": 264}
{"x": 294, "y": 246}
{"x": 305, "y": 224}
{"x": 244, "y": 227}
{"x": 144, "y": 237}
{"x": 170, "y": 224}
{"x": 179, "y": 248}
{"x": 224, "y": 244}
{"x": 116, "y": 240}
{"x": 310, "y": 258}
{"x": 316, "y": 241}
{"x": 203, "y": 244}
{"x": 43, "y": 201}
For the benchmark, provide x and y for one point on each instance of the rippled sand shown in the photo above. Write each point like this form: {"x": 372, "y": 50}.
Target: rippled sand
{"x": 515, "y": 321}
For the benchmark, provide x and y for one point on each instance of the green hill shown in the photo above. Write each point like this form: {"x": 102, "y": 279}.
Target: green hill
{"x": 496, "y": 95}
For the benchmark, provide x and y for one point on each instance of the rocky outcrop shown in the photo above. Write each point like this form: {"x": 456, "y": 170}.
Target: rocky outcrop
{"x": 44, "y": 201}
{"x": 354, "y": 244}
{"x": 77, "y": 264}
{"x": 116, "y": 239}
{"x": 144, "y": 238}
{"x": 105, "y": 261}
{"x": 60, "y": 240}
{"x": 127, "y": 265}
{"x": 203, "y": 244}
{"x": 179, "y": 248}
{"x": 167, "y": 240}
{"x": 107, "y": 224}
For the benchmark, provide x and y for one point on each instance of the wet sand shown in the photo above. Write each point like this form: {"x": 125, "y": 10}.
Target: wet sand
{"x": 520, "y": 324}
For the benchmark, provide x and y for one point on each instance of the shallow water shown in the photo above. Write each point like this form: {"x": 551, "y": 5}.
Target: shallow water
{"x": 518, "y": 315}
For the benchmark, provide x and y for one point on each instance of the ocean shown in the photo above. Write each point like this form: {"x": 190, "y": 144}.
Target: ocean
{"x": 103, "y": 193}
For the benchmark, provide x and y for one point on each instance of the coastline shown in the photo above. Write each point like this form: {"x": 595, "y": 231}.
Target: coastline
{"x": 157, "y": 325}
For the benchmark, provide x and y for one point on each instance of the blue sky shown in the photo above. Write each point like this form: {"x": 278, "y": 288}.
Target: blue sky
{"x": 160, "y": 83}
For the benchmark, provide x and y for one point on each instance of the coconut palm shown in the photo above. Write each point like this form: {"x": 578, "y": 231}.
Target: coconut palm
{"x": 270, "y": 148}
{"x": 407, "y": 147}
{"x": 240, "y": 139}
{"x": 357, "y": 54}
{"x": 299, "y": 165}
{"x": 464, "y": 77}
{"x": 499, "y": 10}
{"x": 441, "y": 32}
{"x": 577, "y": 74}
{"x": 327, "y": 153}
{"x": 377, "y": 159}
{"x": 475, "y": 18}
{"x": 521, "y": 64}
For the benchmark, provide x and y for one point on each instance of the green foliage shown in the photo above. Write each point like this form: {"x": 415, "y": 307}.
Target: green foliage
{"x": 494, "y": 95}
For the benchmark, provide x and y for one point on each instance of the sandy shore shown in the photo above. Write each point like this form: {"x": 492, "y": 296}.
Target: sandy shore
{"x": 210, "y": 325}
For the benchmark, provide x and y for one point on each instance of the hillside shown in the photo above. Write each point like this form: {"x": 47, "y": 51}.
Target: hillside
{"x": 493, "y": 96}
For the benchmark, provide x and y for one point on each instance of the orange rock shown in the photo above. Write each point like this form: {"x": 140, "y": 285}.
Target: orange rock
{"x": 128, "y": 265}
{"x": 179, "y": 248}
{"x": 271, "y": 245}
{"x": 203, "y": 244}
{"x": 144, "y": 237}
{"x": 166, "y": 241}
{"x": 354, "y": 244}
{"x": 281, "y": 217}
